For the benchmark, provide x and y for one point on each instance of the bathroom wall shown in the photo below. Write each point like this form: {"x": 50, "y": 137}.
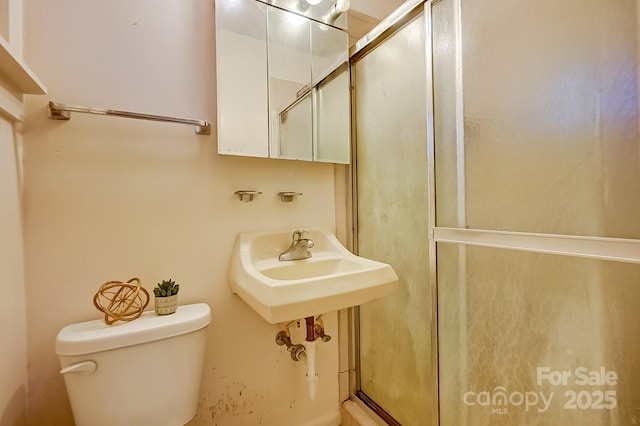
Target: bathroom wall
{"x": 378, "y": 9}
{"x": 13, "y": 333}
{"x": 109, "y": 198}
{"x": 13, "y": 350}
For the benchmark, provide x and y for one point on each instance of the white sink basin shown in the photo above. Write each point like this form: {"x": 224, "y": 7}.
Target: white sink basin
{"x": 332, "y": 279}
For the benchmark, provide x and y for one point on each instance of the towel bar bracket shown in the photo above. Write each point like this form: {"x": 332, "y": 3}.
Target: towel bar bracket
{"x": 56, "y": 113}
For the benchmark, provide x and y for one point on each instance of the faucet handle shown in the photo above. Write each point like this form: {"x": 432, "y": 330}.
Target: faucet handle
{"x": 298, "y": 234}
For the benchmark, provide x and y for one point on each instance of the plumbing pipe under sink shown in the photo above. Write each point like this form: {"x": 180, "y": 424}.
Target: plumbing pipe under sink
{"x": 312, "y": 376}
{"x": 306, "y": 350}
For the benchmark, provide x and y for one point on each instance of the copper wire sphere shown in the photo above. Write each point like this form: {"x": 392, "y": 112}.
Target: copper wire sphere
{"x": 121, "y": 301}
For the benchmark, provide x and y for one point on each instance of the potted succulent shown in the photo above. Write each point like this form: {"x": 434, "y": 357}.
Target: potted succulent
{"x": 166, "y": 294}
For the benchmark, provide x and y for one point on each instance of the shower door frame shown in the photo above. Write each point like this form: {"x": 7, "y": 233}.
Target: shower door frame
{"x": 603, "y": 248}
{"x": 385, "y": 29}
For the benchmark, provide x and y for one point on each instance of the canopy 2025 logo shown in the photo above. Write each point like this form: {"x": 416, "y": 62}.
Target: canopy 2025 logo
{"x": 596, "y": 397}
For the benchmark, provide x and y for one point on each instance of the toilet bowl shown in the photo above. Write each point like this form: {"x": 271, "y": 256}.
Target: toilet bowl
{"x": 143, "y": 372}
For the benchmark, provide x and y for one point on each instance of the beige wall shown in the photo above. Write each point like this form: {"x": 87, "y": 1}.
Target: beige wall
{"x": 13, "y": 350}
{"x": 378, "y": 9}
{"x": 109, "y": 198}
{"x": 13, "y": 333}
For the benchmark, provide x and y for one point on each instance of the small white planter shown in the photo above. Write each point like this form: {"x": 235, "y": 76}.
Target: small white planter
{"x": 166, "y": 305}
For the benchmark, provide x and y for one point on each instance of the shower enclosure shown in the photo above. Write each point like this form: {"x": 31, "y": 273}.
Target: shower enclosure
{"x": 497, "y": 169}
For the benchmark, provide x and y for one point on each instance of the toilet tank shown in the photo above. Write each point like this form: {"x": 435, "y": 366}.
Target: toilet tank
{"x": 142, "y": 372}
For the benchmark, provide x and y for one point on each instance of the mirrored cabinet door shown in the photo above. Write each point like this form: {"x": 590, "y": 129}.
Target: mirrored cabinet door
{"x": 289, "y": 71}
{"x": 241, "y": 58}
{"x": 283, "y": 84}
{"x": 330, "y": 75}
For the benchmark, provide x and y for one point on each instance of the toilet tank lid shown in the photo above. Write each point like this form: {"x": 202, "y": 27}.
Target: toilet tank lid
{"x": 96, "y": 336}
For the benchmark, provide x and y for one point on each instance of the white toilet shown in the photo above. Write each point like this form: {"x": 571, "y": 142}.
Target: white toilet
{"x": 138, "y": 373}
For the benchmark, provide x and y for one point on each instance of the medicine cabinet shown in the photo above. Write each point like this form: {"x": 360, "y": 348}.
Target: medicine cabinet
{"x": 282, "y": 84}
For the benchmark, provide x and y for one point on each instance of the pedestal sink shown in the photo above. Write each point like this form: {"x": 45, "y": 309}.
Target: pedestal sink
{"x": 331, "y": 279}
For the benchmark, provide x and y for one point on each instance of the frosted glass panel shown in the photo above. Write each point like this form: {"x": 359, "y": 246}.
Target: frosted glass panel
{"x": 295, "y": 131}
{"x": 395, "y": 349}
{"x": 547, "y": 114}
{"x": 557, "y": 335}
{"x": 333, "y": 122}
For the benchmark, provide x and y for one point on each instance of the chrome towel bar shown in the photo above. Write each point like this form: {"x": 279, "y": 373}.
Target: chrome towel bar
{"x": 62, "y": 112}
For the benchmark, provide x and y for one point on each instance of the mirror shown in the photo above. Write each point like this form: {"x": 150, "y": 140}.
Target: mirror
{"x": 283, "y": 84}
{"x": 333, "y": 129}
{"x": 289, "y": 72}
{"x": 241, "y": 57}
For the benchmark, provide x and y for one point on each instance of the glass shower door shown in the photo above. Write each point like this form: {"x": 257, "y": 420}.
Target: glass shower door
{"x": 537, "y": 173}
{"x": 395, "y": 357}
{"x": 534, "y": 158}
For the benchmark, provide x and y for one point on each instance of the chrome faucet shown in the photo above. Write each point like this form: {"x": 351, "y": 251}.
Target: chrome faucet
{"x": 299, "y": 248}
